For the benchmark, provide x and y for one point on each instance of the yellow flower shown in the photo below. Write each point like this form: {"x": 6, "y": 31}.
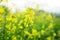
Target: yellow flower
{"x": 2, "y": 10}
{"x": 26, "y": 25}
{"x": 30, "y": 36}
{"x": 27, "y": 10}
{"x": 27, "y": 16}
{"x": 42, "y": 31}
{"x": 34, "y": 32}
{"x": 25, "y": 20}
{"x": 8, "y": 26}
{"x": 31, "y": 22}
{"x": 26, "y": 32}
{"x": 49, "y": 38}
{"x": 14, "y": 28}
{"x": 51, "y": 25}
{"x": 14, "y": 20}
{"x": 30, "y": 11}
{"x": 21, "y": 27}
{"x": 1, "y": 17}
{"x": 20, "y": 22}
{"x": 18, "y": 14}
{"x": 54, "y": 34}
{"x": 14, "y": 38}
{"x": 49, "y": 17}
{"x": 9, "y": 17}
{"x": 4, "y": 0}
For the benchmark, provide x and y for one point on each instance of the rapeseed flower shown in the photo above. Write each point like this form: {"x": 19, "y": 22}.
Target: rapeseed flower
{"x": 31, "y": 22}
{"x": 2, "y": 10}
{"x": 13, "y": 29}
{"x": 14, "y": 38}
{"x": 20, "y": 22}
{"x": 9, "y": 17}
{"x": 25, "y": 20}
{"x": 14, "y": 20}
{"x": 30, "y": 12}
{"x": 26, "y": 25}
{"x": 26, "y": 32}
{"x": 34, "y": 32}
{"x": 51, "y": 25}
{"x": 42, "y": 31}
{"x": 8, "y": 26}
{"x": 21, "y": 27}
{"x": 30, "y": 36}
{"x": 49, "y": 17}
{"x": 27, "y": 16}
{"x": 49, "y": 38}
{"x": 1, "y": 18}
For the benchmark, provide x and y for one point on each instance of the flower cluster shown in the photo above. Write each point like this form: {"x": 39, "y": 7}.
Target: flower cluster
{"x": 28, "y": 25}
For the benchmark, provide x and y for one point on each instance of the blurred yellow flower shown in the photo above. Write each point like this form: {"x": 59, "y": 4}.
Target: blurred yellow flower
{"x": 49, "y": 38}
{"x": 30, "y": 11}
{"x": 4, "y": 0}
{"x": 26, "y": 25}
{"x": 25, "y": 20}
{"x": 21, "y": 27}
{"x": 9, "y": 17}
{"x": 34, "y": 32}
{"x": 18, "y": 14}
{"x": 51, "y": 25}
{"x": 2, "y": 10}
{"x": 27, "y": 16}
{"x": 14, "y": 38}
{"x": 31, "y": 22}
{"x": 30, "y": 36}
{"x": 13, "y": 28}
{"x": 1, "y": 18}
{"x": 8, "y": 26}
{"x": 42, "y": 31}
{"x": 26, "y": 32}
{"x": 14, "y": 20}
{"x": 54, "y": 34}
{"x": 49, "y": 17}
{"x": 20, "y": 22}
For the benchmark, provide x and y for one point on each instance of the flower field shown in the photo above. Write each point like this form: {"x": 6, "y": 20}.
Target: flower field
{"x": 28, "y": 25}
